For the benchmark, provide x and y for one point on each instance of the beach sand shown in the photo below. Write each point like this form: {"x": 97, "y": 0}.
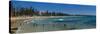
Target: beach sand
{"x": 19, "y": 21}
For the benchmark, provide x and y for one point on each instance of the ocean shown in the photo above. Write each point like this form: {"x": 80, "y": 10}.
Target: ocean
{"x": 58, "y": 23}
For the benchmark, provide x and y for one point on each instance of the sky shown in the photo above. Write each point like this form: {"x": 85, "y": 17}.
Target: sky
{"x": 82, "y": 2}
{"x": 58, "y": 7}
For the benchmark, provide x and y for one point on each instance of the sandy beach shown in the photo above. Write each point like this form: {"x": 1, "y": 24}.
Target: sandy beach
{"x": 19, "y": 21}
{"x": 48, "y": 24}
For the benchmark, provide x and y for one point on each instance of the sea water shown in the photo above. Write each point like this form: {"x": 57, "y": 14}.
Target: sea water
{"x": 58, "y": 23}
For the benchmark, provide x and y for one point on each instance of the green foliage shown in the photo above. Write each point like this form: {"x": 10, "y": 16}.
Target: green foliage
{"x": 32, "y": 12}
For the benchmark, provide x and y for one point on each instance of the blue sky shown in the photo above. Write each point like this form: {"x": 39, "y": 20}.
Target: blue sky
{"x": 64, "y": 8}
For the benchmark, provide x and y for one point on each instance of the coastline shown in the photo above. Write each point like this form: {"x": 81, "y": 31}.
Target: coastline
{"x": 18, "y": 21}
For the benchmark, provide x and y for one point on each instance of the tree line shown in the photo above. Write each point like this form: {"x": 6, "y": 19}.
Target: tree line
{"x": 31, "y": 11}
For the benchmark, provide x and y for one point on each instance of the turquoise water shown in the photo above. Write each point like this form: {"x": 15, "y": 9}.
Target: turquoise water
{"x": 59, "y": 23}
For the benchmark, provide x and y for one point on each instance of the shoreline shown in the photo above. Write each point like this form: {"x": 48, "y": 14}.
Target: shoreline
{"x": 16, "y": 22}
